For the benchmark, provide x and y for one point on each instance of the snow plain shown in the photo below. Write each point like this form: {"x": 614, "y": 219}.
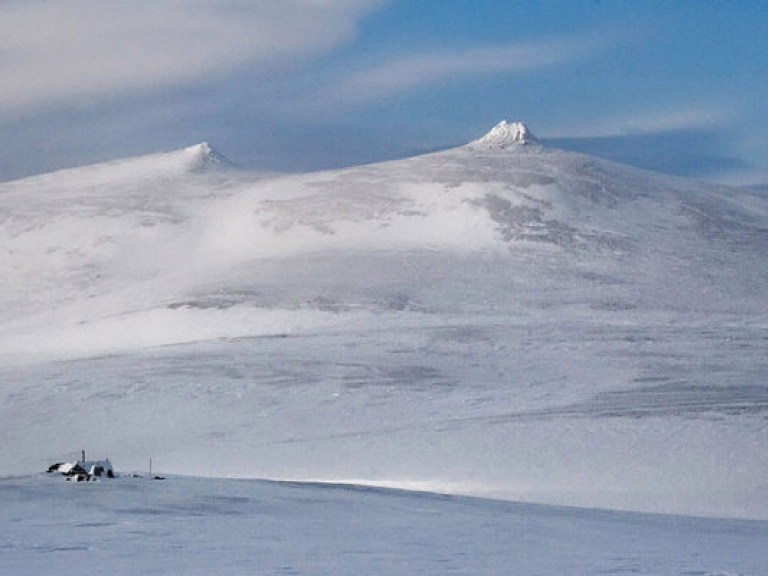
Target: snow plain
{"x": 209, "y": 526}
{"x": 515, "y": 322}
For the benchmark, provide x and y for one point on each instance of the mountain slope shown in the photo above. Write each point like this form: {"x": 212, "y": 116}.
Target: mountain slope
{"x": 500, "y": 318}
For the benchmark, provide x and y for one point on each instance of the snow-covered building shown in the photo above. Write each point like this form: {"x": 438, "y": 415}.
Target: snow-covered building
{"x": 84, "y": 469}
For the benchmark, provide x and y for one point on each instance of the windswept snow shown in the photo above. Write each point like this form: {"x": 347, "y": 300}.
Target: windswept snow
{"x": 207, "y": 526}
{"x": 504, "y": 320}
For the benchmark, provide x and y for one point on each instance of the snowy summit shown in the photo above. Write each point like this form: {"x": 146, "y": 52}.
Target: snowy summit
{"x": 503, "y": 136}
{"x": 203, "y": 156}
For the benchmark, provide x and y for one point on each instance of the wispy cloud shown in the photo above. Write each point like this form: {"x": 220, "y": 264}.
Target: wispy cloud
{"x": 54, "y": 52}
{"x": 688, "y": 116}
{"x": 416, "y": 71}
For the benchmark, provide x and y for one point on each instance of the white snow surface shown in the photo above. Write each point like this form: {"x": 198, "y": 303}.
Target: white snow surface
{"x": 196, "y": 526}
{"x": 514, "y": 322}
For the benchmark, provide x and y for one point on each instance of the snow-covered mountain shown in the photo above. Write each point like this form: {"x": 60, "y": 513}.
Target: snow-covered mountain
{"x": 501, "y": 319}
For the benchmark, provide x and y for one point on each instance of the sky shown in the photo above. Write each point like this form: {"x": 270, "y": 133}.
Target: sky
{"x": 678, "y": 86}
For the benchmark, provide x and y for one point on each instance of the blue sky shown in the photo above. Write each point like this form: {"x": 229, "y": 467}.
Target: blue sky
{"x": 679, "y": 86}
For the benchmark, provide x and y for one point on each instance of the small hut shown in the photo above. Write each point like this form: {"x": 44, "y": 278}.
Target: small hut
{"x": 84, "y": 469}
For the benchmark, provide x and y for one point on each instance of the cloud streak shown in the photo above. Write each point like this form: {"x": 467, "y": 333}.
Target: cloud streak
{"x": 681, "y": 117}
{"x": 54, "y": 52}
{"x": 421, "y": 70}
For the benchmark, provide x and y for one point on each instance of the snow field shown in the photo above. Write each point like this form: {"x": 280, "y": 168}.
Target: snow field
{"x": 201, "y": 526}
